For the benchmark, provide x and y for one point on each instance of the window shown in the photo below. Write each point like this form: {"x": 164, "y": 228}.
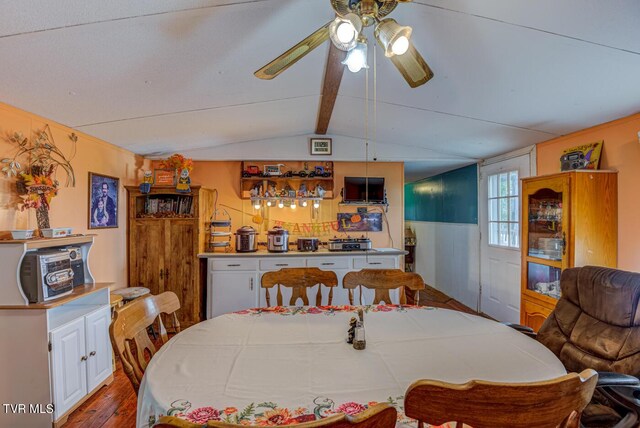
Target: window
{"x": 504, "y": 210}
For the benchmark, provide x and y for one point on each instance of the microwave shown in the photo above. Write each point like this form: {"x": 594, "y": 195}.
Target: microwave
{"x": 46, "y": 275}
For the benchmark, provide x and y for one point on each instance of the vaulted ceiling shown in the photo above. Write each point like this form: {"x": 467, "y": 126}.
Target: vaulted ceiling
{"x": 165, "y": 76}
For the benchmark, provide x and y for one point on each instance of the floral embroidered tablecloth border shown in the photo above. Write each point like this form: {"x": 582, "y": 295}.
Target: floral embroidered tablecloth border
{"x": 329, "y": 310}
{"x": 270, "y": 414}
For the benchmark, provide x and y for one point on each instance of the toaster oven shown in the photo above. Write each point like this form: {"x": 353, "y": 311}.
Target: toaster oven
{"x": 46, "y": 275}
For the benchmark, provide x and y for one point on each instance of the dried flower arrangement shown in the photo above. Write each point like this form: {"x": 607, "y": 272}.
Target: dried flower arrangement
{"x": 34, "y": 166}
{"x": 177, "y": 162}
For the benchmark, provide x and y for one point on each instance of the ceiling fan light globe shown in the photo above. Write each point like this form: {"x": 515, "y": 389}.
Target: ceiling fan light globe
{"x": 344, "y": 31}
{"x": 388, "y": 32}
{"x": 356, "y": 58}
{"x": 400, "y": 46}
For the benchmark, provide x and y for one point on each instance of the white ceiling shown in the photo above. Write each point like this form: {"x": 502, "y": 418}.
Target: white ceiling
{"x": 157, "y": 77}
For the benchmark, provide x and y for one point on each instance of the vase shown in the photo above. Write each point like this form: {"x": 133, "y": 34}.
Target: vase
{"x": 42, "y": 214}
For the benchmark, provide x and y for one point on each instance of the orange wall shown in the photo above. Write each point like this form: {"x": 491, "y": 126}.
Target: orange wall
{"x": 69, "y": 209}
{"x": 225, "y": 176}
{"x": 621, "y": 152}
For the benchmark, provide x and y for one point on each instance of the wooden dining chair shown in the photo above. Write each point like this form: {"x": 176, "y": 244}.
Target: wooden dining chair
{"x": 168, "y": 304}
{"x": 480, "y": 404}
{"x": 129, "y": 335}
{"x": 383, "y": 280}
{"x": 299, "y": 280}
{"x": 381, "y": 415}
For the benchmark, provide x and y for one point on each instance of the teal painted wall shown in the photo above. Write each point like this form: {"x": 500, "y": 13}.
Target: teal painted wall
{"x": 451, "y": 197}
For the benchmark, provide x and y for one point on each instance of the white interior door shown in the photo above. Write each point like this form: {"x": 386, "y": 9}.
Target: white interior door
{"x": 499, "y": 216}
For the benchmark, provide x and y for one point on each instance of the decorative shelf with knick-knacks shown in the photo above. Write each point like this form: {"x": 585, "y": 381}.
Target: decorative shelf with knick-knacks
{"x": 290, "y": 180}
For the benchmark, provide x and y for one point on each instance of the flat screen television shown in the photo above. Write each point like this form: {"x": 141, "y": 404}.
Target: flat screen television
{"x": 364, "y": 189}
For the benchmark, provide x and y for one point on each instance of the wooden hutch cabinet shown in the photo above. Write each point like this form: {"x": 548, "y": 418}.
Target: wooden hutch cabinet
{"x": 166, "y": 231}
{"x": 568, "y": 219}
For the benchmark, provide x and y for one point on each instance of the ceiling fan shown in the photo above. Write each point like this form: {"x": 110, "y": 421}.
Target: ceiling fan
{"x": 345, "y": 32}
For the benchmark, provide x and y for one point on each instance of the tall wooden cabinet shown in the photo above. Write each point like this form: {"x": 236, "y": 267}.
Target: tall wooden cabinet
{"x": 568, "y": 219}
{"x": 166, "y": 231}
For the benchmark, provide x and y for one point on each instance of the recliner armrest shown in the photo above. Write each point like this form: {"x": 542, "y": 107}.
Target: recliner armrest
{"x": 616, "y": 379}
{"x": 522, "y": 329}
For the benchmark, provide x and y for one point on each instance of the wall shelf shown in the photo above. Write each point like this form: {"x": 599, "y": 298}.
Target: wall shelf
{"x": 281, "y": 182}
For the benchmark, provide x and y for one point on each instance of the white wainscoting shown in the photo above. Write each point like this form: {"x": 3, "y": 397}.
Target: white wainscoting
{"x": 448, "y": 258}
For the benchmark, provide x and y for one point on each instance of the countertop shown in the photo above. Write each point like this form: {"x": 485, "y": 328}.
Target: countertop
{"x": 320, "y": 253}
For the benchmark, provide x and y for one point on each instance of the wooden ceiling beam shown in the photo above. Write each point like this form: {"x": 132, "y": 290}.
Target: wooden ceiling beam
{"x": 332, "y": 78}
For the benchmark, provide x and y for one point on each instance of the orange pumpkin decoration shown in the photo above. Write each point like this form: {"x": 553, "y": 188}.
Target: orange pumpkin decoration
{"x": 356, "y": 218}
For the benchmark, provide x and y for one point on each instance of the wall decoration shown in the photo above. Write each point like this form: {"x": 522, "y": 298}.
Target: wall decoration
{"x": 103, "y": 201}
{"x": 354, "y": 222}
{"x": 164, "y": 177}
{"x": 586, "y": 156}
{"x": 147, "y": 182}
{"x": 35, "y": 165}
{"x": 184, "y": 182}
{"x": 320, "y": 146}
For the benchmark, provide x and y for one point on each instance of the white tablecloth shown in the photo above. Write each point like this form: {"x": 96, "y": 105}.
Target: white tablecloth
{"x": 292, "y": 365}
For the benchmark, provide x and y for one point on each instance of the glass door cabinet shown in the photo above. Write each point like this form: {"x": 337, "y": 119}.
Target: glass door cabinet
{"x": 568, "y": 219}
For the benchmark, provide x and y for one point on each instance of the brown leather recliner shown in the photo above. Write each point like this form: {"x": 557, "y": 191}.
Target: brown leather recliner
{"x": 596, "y": 324}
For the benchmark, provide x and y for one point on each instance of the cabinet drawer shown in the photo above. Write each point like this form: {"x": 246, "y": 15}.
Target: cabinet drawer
{"x": 374, "y": 263}
{"x": 229, "y": 263}
{"x": 277, "y": 263}
{"x": 329, "y": 263}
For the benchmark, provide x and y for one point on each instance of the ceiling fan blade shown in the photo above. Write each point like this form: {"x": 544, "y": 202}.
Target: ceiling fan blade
{"x": 413, "y": 67}
{"x": 294, "y": 54}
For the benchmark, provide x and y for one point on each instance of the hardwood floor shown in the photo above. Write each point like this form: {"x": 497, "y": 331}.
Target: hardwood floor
{"x": 115, "y": 404}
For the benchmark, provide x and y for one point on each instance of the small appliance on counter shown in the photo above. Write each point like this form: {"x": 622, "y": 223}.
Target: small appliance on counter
{"x": 308, "y": 244}
{"x": 278, "y": 240}
{"x": 77, "y": 265}
{"x": 46, "y": 275}
{"x": 246, "y": 241}
{"x": 349, "y": 244}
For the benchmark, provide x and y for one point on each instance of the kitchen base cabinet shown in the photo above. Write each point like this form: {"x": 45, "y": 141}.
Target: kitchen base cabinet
{"x": 233, "y": 291}
{"x": 54, "y": 354}
{"x": 233, "y": 281}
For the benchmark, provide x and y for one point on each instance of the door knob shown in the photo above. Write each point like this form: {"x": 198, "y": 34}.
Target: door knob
{"x": 92, "y": 353}
{"x": 83, "y": 358}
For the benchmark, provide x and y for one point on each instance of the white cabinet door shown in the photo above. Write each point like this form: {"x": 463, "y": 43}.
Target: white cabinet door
{"x": 340, "y": 295}
{"x": 230, "y": 291}
{"x": 98, "y": 347}
{"x": 69, "y": 365}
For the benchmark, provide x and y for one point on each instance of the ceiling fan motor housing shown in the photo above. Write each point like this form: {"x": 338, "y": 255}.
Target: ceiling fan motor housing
{"x": 373, "y": 8}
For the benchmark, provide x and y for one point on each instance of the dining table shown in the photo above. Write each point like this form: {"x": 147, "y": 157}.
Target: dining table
{"x": 287, "y": 365}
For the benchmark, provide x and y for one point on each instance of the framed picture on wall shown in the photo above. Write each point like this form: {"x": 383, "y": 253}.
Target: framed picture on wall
{"x": 320, "y": 146}
{"x": 103, "y": 201}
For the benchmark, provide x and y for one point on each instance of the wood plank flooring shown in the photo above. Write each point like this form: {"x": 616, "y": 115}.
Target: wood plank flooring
{"x": 115, "y": 404}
